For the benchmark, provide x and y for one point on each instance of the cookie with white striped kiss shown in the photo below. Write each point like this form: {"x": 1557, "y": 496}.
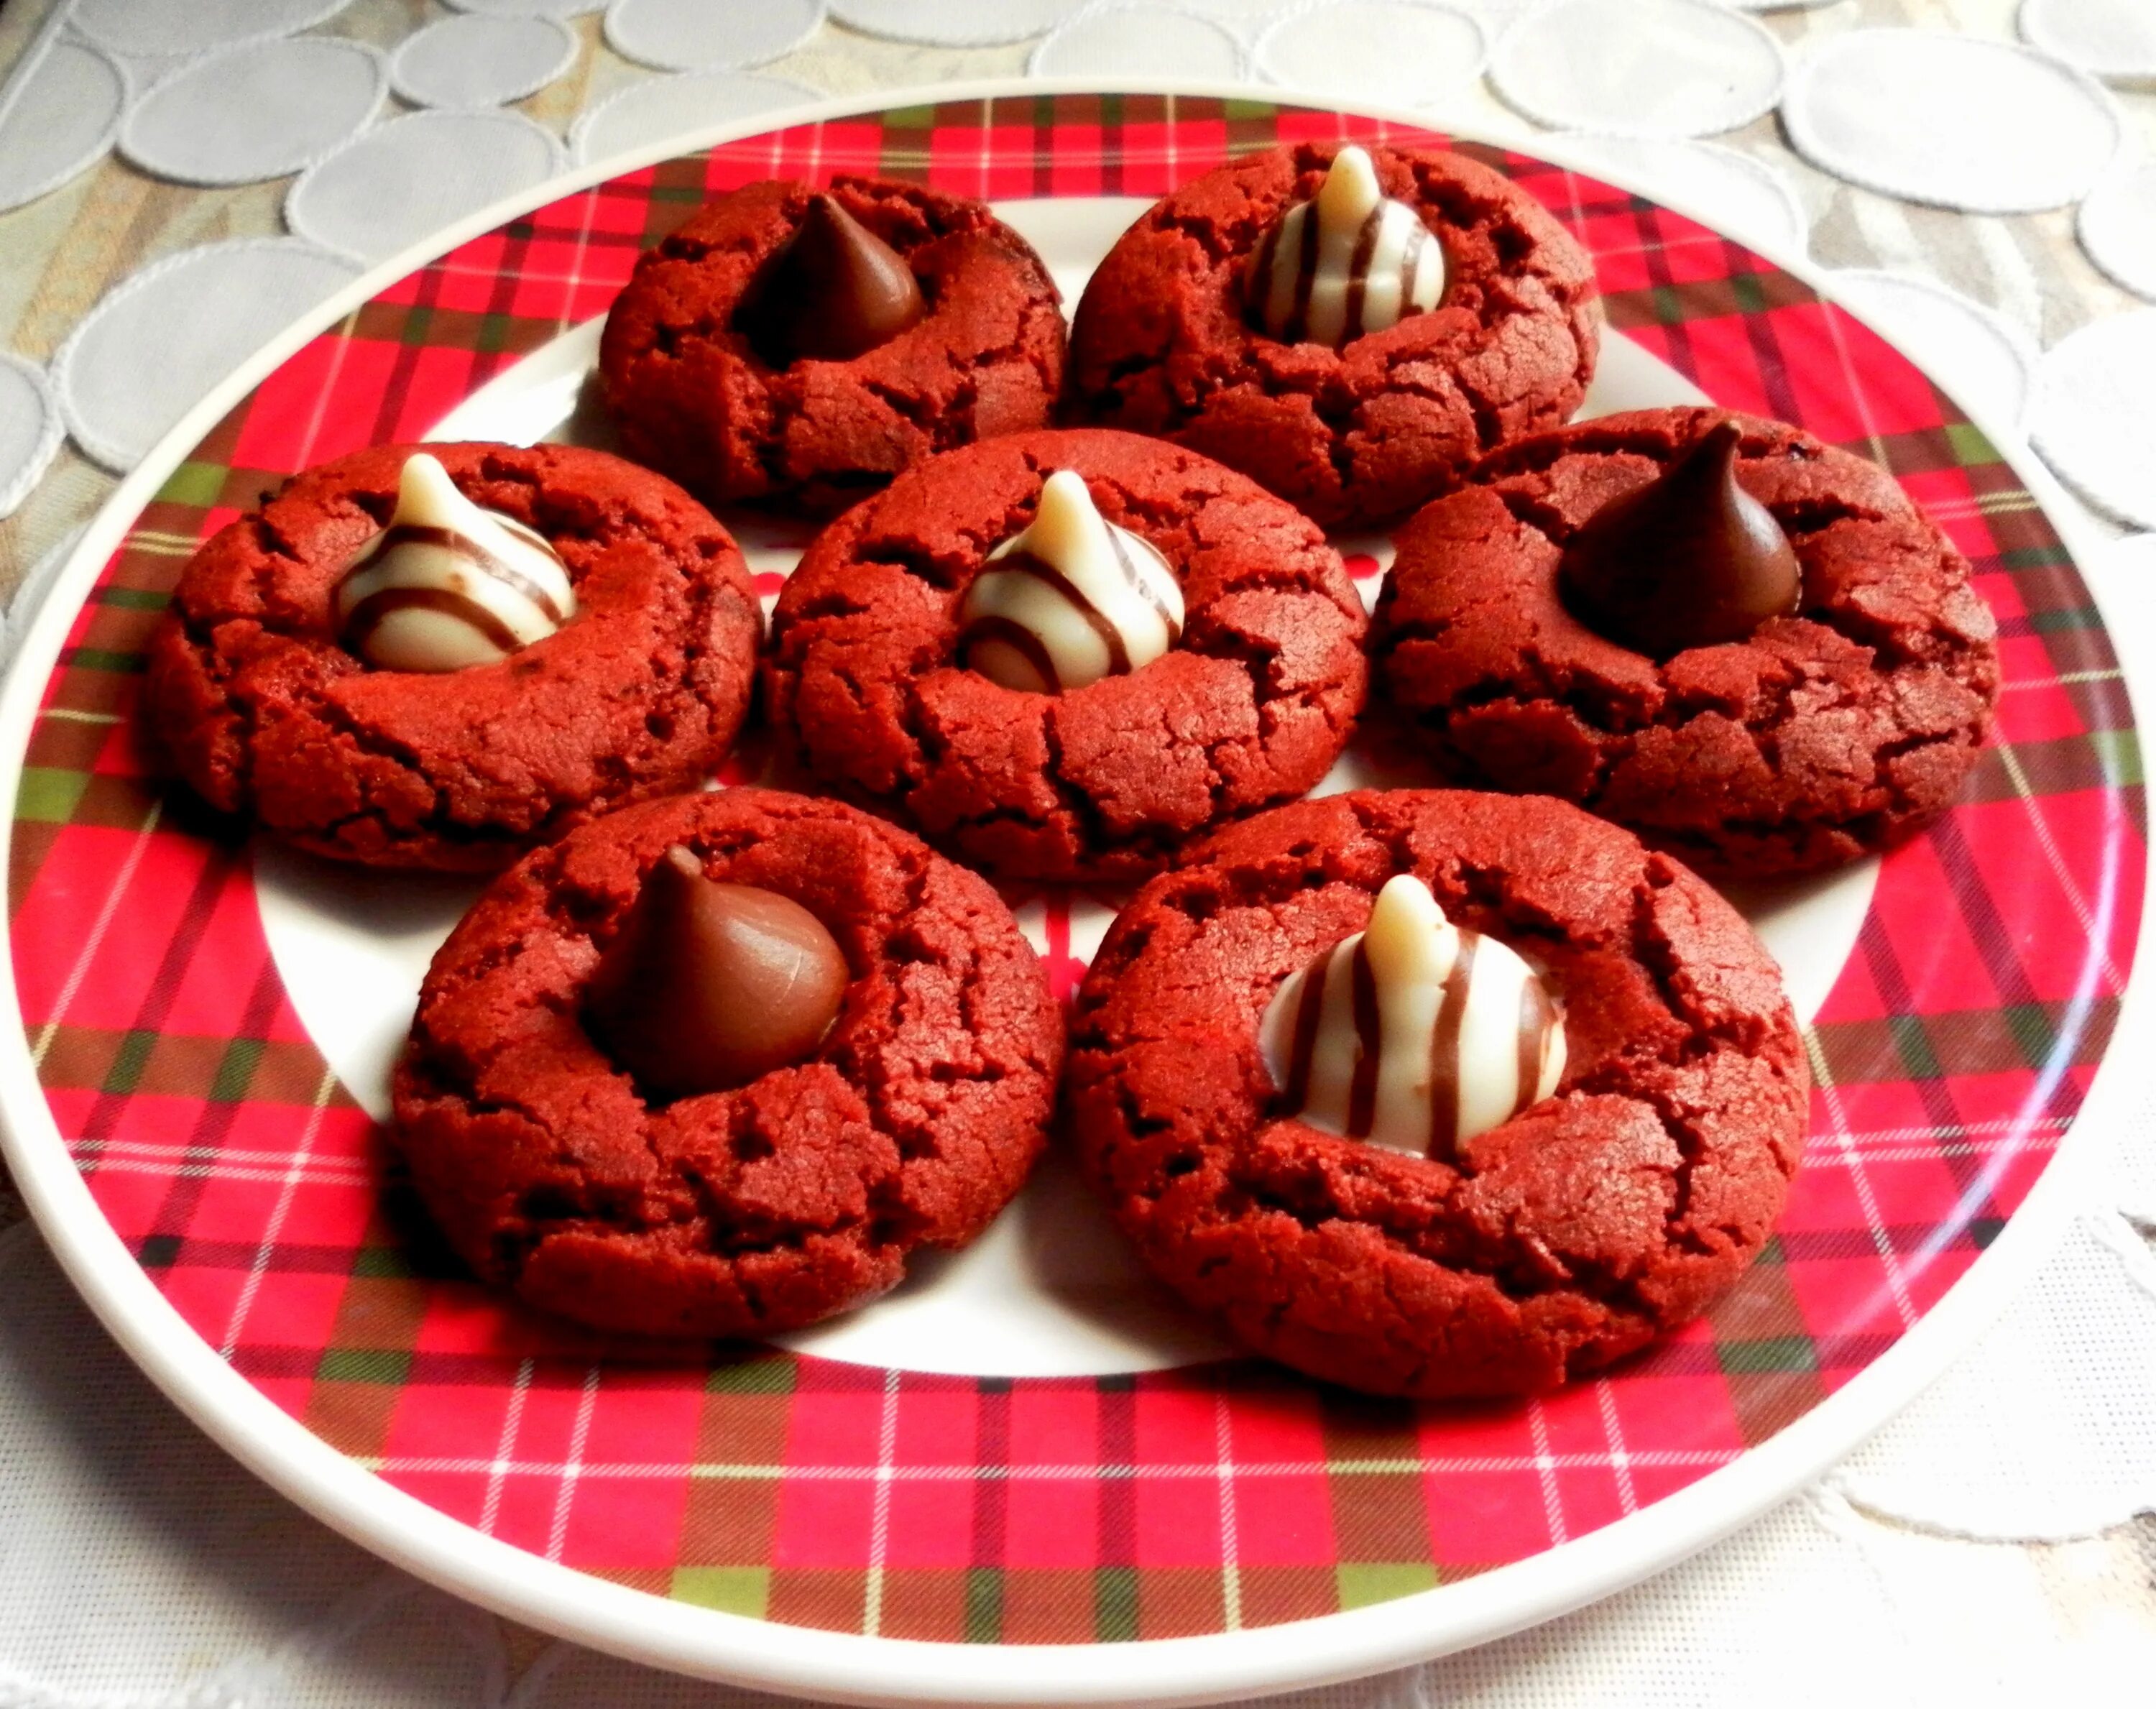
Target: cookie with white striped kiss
{"x": 436, "y": 656}
{"x": 1327, "y": 1200}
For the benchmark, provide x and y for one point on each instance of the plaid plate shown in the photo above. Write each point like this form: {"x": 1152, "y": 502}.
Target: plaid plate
{"x": 1951, "y": 1056}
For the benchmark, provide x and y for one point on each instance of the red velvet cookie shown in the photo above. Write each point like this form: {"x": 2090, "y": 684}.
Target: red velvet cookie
{"x": 1102, "y": 782}
{"x": 262, "y": 711}
{"x": 1356, "y": 436}
{"x": 754, "y": 1210}
{"x": 1828, "y": 734}
{"x": 1564, "y": 1239}
{"x": 696, "y": 395}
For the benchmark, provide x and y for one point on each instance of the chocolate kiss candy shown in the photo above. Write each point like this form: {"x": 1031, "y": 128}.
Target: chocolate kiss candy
{"x": 707, "y": 986}
{"x": 1689, "y": 560}
{"x": 1413, "y": 1033}
{"x": 447, "y": 585}
{"x": 1070, "y": 599}
{"x": 835, "y": 290}
{"x": 1350, "y": 261}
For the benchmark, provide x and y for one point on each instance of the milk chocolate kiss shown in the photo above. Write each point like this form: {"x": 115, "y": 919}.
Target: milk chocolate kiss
{"x": 1689, "y": 560}
{"x": 836, "y": 291}
{"x": 707, "y": 985}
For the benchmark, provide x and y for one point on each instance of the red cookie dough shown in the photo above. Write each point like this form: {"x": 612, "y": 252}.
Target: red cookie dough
{"x": 642, "y": 692}
{"x": 740, "y": 1212}
{"x": 1826, "y": 736}
{"x": 1106, "y": 781}
{"x": 1576, "y": 1232}
{"x": 693, "y": 397}
{"x": 1358, "y": 436}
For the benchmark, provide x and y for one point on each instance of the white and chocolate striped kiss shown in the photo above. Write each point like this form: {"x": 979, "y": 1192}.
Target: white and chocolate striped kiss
{"x": 1413, "y": 1034}
{"x": 1070, "y": 599}
{"x": 1349, "y": 262}
{"x": 447, "y": 585}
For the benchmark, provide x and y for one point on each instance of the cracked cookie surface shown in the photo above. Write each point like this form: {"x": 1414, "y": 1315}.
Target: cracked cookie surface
{"x": 1360, "y": 435}
{"x": 259, "y": 708}
{"x": 739, "y": 1213}
{"x": 1825, "y": 736}
{"x": 1571, "y": 1235}
{"x": 1105, "y": 782}
{"x": 692, "y": 397}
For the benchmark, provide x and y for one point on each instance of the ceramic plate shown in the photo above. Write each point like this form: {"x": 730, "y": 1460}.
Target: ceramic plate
{"x": 1028, "y": 1474}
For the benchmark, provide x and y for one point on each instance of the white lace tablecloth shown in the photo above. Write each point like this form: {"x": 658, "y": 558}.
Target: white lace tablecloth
{"x": 1981, "y": 174}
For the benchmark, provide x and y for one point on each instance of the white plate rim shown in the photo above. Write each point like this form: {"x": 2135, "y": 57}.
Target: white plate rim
{"x": 847, "y": 1667}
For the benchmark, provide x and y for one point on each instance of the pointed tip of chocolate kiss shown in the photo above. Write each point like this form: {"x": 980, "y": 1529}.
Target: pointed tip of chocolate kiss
{"x": 835, "y": 291}
{"x": 708, "y": 986}
{"x": 1689, "y": 560}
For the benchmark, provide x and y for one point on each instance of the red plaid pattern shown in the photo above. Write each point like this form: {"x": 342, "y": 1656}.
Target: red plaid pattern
{"x": 1950, "y": 1057}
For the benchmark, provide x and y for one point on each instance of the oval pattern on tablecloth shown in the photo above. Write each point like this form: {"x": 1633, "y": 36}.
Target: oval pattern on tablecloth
{"x": 1953, "y": 119}
{"x": 1638, "y": 68}
{"x": 255, "y": 111}
{"x": 30, "y": 430}
{"x": 2090, "y": 414}
{"x": 2113, "y": 39}
{"x": 163, "y": 28}
{"x": 953, "y": 23}
{"x": 1381, "y": 52}
{"x": 471, "y": 60}
{"x": 526, "y": 8}
{"x": 2117, "y": 224}
{"x": 1109, "y": 42}
{"x": 650, "y": 112}
{"x": 1202, "y": 1499}
{"x": 387, "y": 189}
{"x": 696, "y": 35}
{"x": 62, "y": 118}
{"x": 160, "y": 338}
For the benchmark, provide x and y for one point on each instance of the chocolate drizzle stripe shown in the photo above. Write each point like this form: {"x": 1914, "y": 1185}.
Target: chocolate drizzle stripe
{"x": 1260, "y": 286}
{"x": 1141, "y": 584}
{"x": 1020, "y": 640}
{"x": 1024, "y": 563}
{"x": 1306, "y": 276}
{"x": 1302, "y": 1047}
{"x": 472, "y": 552}
{"x": 1445, "y": 1049}
{"x": 373, "y": 611}
{"x": 1358, "y": 269}
{"x": 1369, "y": 1044}
{"x": 1536, "y": 1015}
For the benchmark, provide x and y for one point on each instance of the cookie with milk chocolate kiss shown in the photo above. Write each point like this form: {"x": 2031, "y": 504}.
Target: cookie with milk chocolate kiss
{"x": 1751, "y": 647}
{"x": 719, "y": 1065}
